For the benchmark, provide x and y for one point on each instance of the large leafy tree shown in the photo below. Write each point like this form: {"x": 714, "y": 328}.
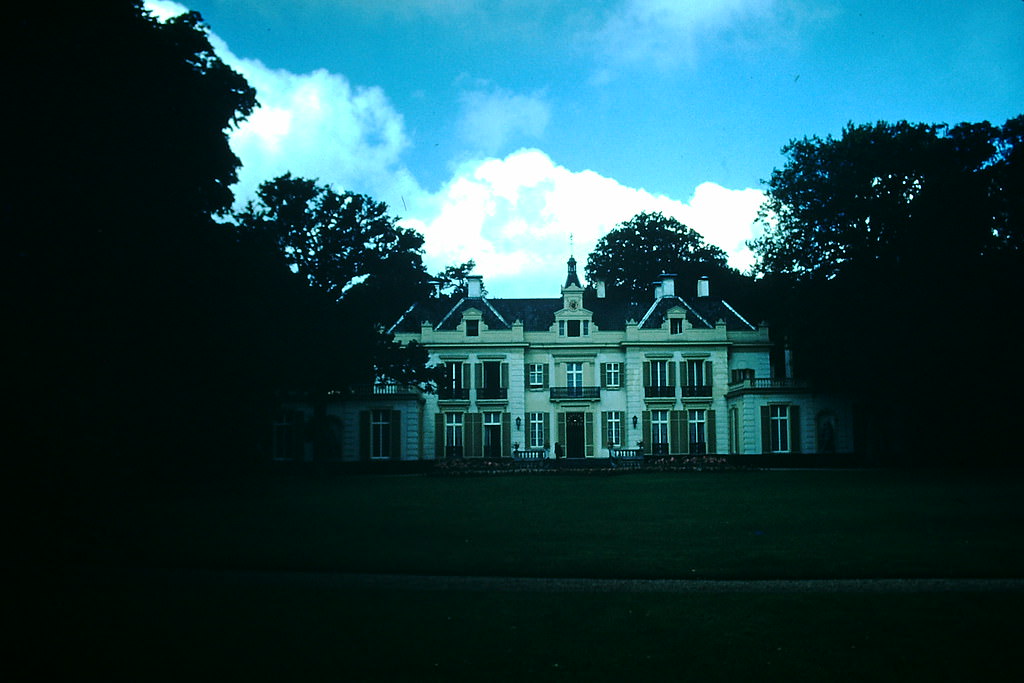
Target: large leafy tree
{"x": 348, "y": 249}
{"x": 636, "y": 252}
{"x": 126, "y": 329}
{"x": 886, "y": 250}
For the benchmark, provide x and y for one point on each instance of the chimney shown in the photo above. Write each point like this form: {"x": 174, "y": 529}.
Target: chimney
{"x": 599, "y": 287}
{"x": 703, "y": 287}
{"x": 668, "y": 284}
{"x": 657, "y": 289}
{"x": 475, "y": 286}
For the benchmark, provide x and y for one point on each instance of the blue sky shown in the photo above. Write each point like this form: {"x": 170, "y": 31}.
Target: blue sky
{"x": 498, "y": 128}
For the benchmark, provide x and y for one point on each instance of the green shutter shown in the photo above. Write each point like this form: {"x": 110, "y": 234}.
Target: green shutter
{"x": 364, "y": 434}
{"x": 466, "y": 375}
{"x": 678, "y": 438}
{"x": 506, "y": 435}
{"x": 546, "y": 372}
{"x": 604, "y": 375}
{"x": 472, "y": 438}
{"x": 588, "y": 435}
{"x": 684, "y": 375}
{"x": 504, "y": 375}
{"x": 708, "y": 375}
{"x": 766, "y": 430}
{"x": 439, "y": 436}
{"x": 604, "y": 429}
{"x": 712, "y": 438}
{"x": 396, "y": 435}
{"x": 561, "y": 432}
{"x": 478, "y": 372}
{"x": 647, "y": 373}
{"x": 647, "y": 430}
{"x": 547, "y": 430}
{"x": 794, "y": 429}
{"x": 671, "y": 367}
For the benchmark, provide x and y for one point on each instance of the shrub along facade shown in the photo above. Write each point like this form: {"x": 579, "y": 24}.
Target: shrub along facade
{"x": 590, "y": 375}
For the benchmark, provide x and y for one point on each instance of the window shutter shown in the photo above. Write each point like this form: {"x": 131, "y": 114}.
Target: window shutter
{"x": 671, "y": 367}
{"x": 466, "y": 373}
{"x": 506, "y": 435}
{"x": 561, "y": 431}
{"x": 794, "y": 429}
{"x": 439, "y": 436}
{"x": 396, "y": 435}
{"x": 712, "y": 439}
{"x": 588, "y": 434}
{"x": 504, "y": 375}
{"x": 604, "y": 428}
{"x": 647, "y": 375}
{"x": 766, "y": 430}
{"x": 473, "y": 436}
{"x": 647, "y": 431}
{"x": 708, "y": 376}
{"x": 679, "y": 439}
{"x": 364, "y": 434}
{"x": 684, "y": 374}
{"x": 547, "y": 429}
{"x": 526, "y": 375}
{"x": 604, "y": 376}
{"x": 478, "y": 370}
{"x": 546, "y": 371}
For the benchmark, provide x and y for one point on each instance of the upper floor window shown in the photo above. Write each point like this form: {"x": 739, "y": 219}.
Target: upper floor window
{"x": 675, "y": 325}
{"x": 573, "y": 328}
{"x": 536, "y": 374}
{"x": 659, "y": 373}
{"x": 574, "y": 375}
{"x": 612, "y": 375}
{"x": 472, "y": 328}
{"x": 697, "y": 374}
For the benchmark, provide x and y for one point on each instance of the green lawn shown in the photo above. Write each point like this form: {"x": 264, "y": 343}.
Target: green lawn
{"x": 808, "y": 524}
{"x": 707, "y": 525}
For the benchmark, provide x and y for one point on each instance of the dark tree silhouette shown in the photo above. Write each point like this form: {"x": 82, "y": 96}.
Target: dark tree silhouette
{"x": 637, "y": 251}
{"x": 889, "y": 253}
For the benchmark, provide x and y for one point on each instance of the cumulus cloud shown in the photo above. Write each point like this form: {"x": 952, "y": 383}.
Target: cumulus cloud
{"x": 667, "y": 32}
{"x": 514, "y": 217}
{"x": 492, "y": 117}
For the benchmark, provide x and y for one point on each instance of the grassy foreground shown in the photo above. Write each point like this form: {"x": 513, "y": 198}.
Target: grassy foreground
{"x": 721, "y": 525}
{"x": 809, "y": 524}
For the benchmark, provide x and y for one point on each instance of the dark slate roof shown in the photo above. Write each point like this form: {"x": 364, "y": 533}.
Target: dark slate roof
{"x": 538, "y": 315}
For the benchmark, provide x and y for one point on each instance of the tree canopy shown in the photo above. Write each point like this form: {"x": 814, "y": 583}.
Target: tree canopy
{"x": 886, "y": 251}
{"x": 633, "y": 255}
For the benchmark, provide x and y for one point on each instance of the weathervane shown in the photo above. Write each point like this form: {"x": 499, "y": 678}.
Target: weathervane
{"x": 571, "y": 248}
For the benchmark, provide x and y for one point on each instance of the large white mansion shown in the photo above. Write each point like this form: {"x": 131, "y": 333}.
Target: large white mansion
{"x": 585, "y": 375}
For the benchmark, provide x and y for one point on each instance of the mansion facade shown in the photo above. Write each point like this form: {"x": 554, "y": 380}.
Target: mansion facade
{"x": 585, "y": 375}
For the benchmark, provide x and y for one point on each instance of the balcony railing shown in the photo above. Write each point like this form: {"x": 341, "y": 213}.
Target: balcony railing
{"x": 451, "y": 394}
{"x": 696, "y": 391}
{"x": 384, "y": 389}
{"x": 768, "y": 383}
{"x": 491, "y": 394}
{"x": 560, "y": 393}
{"x": 660, "y": 392}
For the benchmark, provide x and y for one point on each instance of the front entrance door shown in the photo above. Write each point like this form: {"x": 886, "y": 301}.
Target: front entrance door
{"x": 575, "y": 437}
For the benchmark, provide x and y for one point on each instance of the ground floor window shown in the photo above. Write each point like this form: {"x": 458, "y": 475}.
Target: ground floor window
{"x": 779, "y": 428}
{"x": 538, "y": 436}
{"x": 453, "y": 434}
{"x": 613, "y": 429}
{"x": 380, "y": 434}
{"x": 492, "y": 435}
{"x": 659, "y": 432}
{"x": 697, "y": 421}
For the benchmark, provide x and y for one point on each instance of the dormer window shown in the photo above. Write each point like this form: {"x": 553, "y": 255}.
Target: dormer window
{"x": 675, "y": 325}
{"x": 472, "y": 328}
{"x": 572, "y": 328}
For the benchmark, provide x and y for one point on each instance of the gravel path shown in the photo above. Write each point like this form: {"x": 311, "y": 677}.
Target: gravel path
{"x": 546, "y": 584}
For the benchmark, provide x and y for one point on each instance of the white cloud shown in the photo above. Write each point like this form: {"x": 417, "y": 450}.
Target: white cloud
{"x": 493, "y": 117}
{"x": 667, "y": 32}
{"x": 514, "y": 216}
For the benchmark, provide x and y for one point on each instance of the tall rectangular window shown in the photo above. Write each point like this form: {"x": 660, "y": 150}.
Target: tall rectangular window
{"x": 536, "y": 425}
{"x": 675, "y": 325}
{"x": 472, "y": 328}
{"x": 659, "y": 373}
{"x": 613, "y": 374}
{"x": 572, "y": 328}
{"x": 697, "y": 421}
{"x": 659, "y": 432}
{"x": 574, "y": 375}
{"x": 779, "y": 428}
{"x": 695, "y": 373}
{"x": 492, "y": 435}
{"x": 453, "y": 434}
{"x": 614, "y": 428}
{"x": 380, "y": 434}
{"x": 536, "y": 378}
